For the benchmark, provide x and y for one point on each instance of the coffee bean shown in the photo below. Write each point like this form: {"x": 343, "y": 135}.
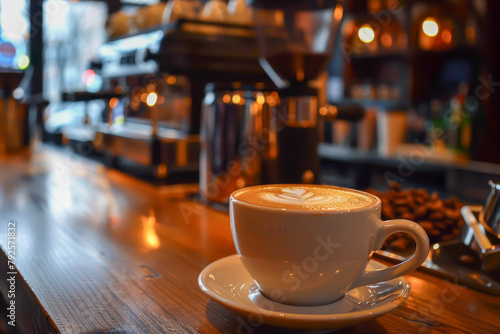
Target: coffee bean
{"x": 426, "y": 225}
{"x": 394, "y": 185}
{"x": 387, "y": 212}
{"x": 447, "y": 237}
{"x": 452, "y": 200}
{"x": 420, "y": 199}
{"x": 399, "y": 195}
{"x": 437, "y": 215}
{"x": 421, "y": 211}
{"x": 441, "y": 225}
{"x": 411, "y": 203}
{"x": 452, "y": 214}
{"x": 422, "y": 192}
{"x": 399, "y": 210}
{"x": 450, "y": 222}
{"x": 408, "y": 215}
{"x": 435, "y": 232}
{"x": 449, "y": 202}
{"x": 400, "y": 201}
{"x": 399, "y": 244}
{"x": 441, "y": 219}
{"x": 435, "y": 205}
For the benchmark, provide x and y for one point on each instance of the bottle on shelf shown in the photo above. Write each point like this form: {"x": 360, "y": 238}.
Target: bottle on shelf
{"x": 435, "y": 124}
{"x": 458, "y": 122}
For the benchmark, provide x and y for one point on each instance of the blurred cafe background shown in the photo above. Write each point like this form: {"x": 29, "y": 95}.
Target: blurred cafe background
{"x": 206, "y": 92}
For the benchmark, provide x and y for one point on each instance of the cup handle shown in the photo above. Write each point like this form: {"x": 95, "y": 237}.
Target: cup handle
{"x": 418, "y": 257}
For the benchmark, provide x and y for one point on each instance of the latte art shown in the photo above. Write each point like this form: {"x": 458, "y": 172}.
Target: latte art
{"x": 297, "y": 197}
{"x": 305, "y": 197}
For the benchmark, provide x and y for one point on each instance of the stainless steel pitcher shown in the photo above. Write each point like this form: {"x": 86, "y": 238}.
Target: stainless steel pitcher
{"x": 238, "y": 139}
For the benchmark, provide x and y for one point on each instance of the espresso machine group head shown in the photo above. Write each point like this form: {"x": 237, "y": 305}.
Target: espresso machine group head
{"x": 296, "y": 39}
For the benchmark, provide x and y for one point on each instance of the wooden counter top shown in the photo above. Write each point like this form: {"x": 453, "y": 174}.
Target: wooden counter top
{"x": 98, "y": 251}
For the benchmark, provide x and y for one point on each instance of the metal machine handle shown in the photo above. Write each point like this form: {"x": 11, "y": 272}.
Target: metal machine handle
{"x": 479, "y": 233}
{"x": 491, "y": 210}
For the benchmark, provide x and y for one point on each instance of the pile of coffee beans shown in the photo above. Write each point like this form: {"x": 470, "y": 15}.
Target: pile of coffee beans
{"x": 440, "y": 218}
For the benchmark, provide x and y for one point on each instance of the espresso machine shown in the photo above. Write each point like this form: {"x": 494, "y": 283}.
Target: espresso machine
{"x": 296, "y": 39}
{"x": 153, "y": 86}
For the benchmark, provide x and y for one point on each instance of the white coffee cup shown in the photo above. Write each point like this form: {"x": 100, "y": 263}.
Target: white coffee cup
{"x": 309, "y": 244}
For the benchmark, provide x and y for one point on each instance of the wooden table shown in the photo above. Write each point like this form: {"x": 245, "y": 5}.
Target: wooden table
{"x": 100, "y": 252}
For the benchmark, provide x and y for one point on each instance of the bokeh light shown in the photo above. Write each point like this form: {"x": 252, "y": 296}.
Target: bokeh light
{"x": 23, "y": 62}
{"x": 366, "y": 34}
{"x": 430, "y": 27}
{"x": 152, "y": 98}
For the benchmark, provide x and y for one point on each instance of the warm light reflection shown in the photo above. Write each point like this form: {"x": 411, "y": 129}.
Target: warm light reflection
{"x": 348, "y": 27}
{"x": 366, "y": 34}
{"x": 386, "y": 40}
{"x": 150, "y": 236}
{"x": 151, "y": 99}
{"x": 470, "y": 33}
{"x": 171, "y": 80}
{"x": 113, "y": 103}
{"x": 446, "y": 36}
{"x": 271, "y": 101}
{"x": 430, "y": 27}
{"x": 226, "y": 98}
{"x": 23, "y": 62}
{"x": 240, "y": 183}
{"x": 261, "y": 99}
{"x": 236, "y": 99}
{"x": 339, "y": 11}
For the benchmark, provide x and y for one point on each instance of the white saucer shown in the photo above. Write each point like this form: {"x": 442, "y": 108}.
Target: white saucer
{"x": 228, "y": 283}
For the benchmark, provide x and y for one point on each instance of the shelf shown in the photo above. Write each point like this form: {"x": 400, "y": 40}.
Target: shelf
{"x": 383, "y": 104}
{"x": 380, "y": 55}
{"x": 432, "y": 160}
{"x": 369, "y": 16}
{"x": 178, "y": 25}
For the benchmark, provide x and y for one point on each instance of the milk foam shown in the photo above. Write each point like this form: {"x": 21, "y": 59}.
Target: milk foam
{"x": 306, "y": 197}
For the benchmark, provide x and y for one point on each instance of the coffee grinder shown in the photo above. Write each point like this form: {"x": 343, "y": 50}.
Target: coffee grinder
{"x": 296, "y": 39}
